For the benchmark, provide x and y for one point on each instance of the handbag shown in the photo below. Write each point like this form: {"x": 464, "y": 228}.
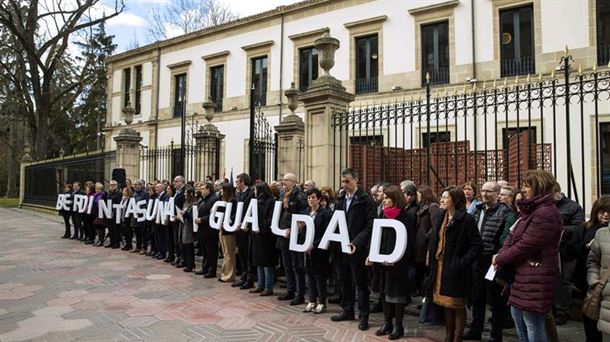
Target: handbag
{"x": 592, "y": 302}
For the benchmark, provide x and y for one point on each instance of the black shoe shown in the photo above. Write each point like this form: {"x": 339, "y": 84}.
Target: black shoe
{"x": 398, "y": 332}
{"x": 363, "y": 323}
{"x": 495, "y": 339}
{"x": 188, "y": 269}
{"x": 169, "y": 260}
{"x": 471, "y": 336}
{"x": 287, "y": 296}
{"x": 210, "y": 275}
{"x": 385, "y": 329}
{"x": 246, "y": 286}
{"x": 116, "y": 247}
{"x": 202, "y": 272}
{"x": 343, "y": 316}
{"x": 88, "y": 242}
{"x": 108, "y": 246}
{"x": 297, "y": 301}
{"x": 238, "y": 283}
{"x": 74, "y": 237}
{"x": 65, "y": 237}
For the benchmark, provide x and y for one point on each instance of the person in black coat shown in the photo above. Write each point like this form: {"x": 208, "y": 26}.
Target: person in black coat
{"x": 316, "y": 259}
{"x": 264, "y": 253}
{"x": 455, "y": 244}
{"x": 175, "y": 246}
{"x": 395, "y": 282}
{"x": 572, "y": 216}
{"x": 360, "y": 211}
{"x": 114, "y": 229}
{"x": 294, "y": 201}
{"x": 208, "y": 235}
{"x": 158, "y": 228}
{"x": 245, "y": 194}
{"x": 67, "y": 213}
{"x": 77, "y": 218}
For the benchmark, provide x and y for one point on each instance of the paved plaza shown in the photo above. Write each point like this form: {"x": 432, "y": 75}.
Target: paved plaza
{"x": 53, "y": 289}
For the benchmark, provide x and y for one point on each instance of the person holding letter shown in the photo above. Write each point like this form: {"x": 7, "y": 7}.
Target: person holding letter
{"x": 66, "y": 213}
{"x": 360, "y": 211}
{"x": 264, "y": 253}
{"x": 317, "y": 265}
{"x": 207, "y": 233}
{"x": 227, "y": 239}
{"x": 455, "y": 244}
{"x": 187, "y": 235}
{"x": 395, "y": 284}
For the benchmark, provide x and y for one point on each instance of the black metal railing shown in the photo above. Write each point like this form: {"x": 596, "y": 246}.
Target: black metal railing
{"x": 46, "y": 179}
{"x": 553, "y": 124}
{"x": 437, "y": 76}
{"x": 517, "y": 66}
{"x": 367, "y": 85}
{"x": 603, "y": 54}
{"x": 265, "y": 149}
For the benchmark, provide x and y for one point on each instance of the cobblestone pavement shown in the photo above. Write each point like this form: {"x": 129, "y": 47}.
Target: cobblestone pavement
{"x": 53, "y": 289}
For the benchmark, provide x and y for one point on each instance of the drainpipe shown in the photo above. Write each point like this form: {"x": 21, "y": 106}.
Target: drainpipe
{"x": 281, "y": 63}
{"x": 157, "y": 102}
{"x": 474, "y": 61}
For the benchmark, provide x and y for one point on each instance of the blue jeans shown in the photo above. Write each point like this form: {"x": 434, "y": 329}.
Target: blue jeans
{"x": 529, "y": 325}
{"x": 266, "y": 277}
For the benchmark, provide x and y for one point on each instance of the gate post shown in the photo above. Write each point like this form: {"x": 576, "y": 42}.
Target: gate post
{"x": 289, "y": 132}
{"x": 208, "y": 143}
{"x": 128, "y": 147}
{"x": 325, "y": 96}
{"x": 25, "y": 160}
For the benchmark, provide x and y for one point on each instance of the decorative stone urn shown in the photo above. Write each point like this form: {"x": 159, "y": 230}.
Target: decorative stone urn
{"x": 326, "y": 46}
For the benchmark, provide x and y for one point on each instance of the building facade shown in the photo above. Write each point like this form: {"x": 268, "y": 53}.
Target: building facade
{"x": 389, "y": 50}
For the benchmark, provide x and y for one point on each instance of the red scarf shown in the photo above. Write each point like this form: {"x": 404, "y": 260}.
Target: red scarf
{"x": 391, "y": 213}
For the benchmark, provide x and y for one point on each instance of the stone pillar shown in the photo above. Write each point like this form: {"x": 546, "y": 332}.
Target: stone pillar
{"x": 208, "y": 146}
{"x": 25, "y": 160}
{"x": 325, "y": 97}
{"x": 128, "y": 147}
{"x": 128, "y": 152}
{"x": 208, "y": 143}
{"x": 290, "y": 134}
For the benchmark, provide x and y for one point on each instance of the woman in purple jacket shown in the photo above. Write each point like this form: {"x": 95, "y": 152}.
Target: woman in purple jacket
{"x": 532, "y": 250}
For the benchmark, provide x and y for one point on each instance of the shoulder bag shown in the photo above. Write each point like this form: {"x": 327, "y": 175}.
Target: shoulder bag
{"x": 592, "y": 301}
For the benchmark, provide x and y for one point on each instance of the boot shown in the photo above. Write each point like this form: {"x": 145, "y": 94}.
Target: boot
{"x": 398, "y": 332}
{"x": 385, "y": 329}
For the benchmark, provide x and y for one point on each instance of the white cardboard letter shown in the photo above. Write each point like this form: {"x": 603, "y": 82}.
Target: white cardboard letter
{"x": 338, "y": 219}
{"x": 399, "y": 247}
{"x": 216, "y": 217}
{"x": 233, "y": 226}
{"x": 309, "y": 232}
{"x": 275, "y": 220}
{"x": 104, "y": 209}
{"x": 251, "y": 216}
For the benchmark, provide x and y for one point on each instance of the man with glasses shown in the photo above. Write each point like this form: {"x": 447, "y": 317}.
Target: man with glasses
{"x": 491, "y": 217}
{"x": 294, "y": 201}
{"x": 174, "y": 245}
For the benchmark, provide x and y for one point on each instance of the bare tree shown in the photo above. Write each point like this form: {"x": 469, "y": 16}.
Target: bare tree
{"x": 185, "y": 16}
{"x": 42, "y": 32}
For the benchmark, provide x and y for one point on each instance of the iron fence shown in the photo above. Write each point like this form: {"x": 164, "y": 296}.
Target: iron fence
{"x": 265, "y": 149}
{"x": 45, "y": 180}
{"x": 486, "y": 133}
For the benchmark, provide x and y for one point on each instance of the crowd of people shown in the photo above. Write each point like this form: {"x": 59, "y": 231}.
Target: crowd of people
{"x": 535, "y": 239}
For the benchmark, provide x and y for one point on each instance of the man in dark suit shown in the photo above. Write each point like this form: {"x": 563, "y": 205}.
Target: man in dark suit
{"x": 245, "y": 194}
{"x": 114, "y": 229}
{"x": 158, "y": 233}
{"x": 360, "y": 211}
{"x": 77, "y": 218}
{"x": 207, "y": 234}
{"x": 175, "y": 226}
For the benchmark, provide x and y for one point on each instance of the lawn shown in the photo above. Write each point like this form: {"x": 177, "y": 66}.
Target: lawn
{"x": 9, "y": 202}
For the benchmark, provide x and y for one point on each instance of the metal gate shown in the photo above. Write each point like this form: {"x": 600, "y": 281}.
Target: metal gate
{"x": 265, "y": 150}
